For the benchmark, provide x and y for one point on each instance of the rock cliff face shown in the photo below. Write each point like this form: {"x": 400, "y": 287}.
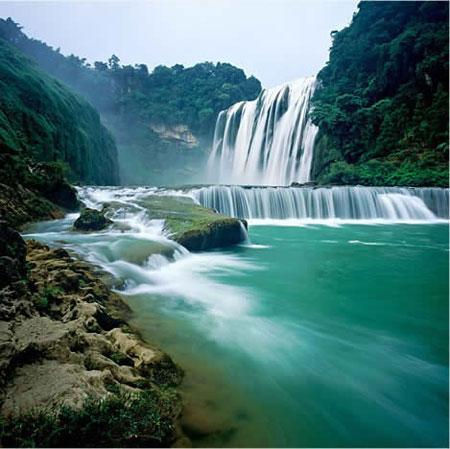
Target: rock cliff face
{"x": 31, "y": 192}
{"x": 64, "y": 344}
{"x": 179, "y": 133}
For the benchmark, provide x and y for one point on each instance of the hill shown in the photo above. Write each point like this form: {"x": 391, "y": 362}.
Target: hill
{"x": 382, "y": 99}
{"x": 163, "y": 120}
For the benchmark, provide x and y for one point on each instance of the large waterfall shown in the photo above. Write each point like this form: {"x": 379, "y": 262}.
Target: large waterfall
{"x": 346, "y": 202}
{"x": 268, "y": 141}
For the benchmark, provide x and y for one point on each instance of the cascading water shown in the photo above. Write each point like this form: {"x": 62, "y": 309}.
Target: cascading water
{"x": 268, "y": 141}
{"x": 346, "y": 202}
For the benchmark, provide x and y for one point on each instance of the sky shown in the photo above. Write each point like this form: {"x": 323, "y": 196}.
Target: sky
{"x": 274, "y": 40}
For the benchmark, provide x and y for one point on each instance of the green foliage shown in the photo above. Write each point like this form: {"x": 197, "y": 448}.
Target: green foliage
{"x": 120, "y": 358}
{"x": 41, "y": 120}
{"x": 383, "y": 96}
{"x": 132, "y": 100}
{"x": 48, "y": 295}
{"x": 384, "y": 173}
{"x": 120, "y": 420}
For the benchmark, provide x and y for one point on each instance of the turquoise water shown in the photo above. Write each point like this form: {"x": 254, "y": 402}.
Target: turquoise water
{"x": 309, "y": 336}
{"x": 324, "y": 337}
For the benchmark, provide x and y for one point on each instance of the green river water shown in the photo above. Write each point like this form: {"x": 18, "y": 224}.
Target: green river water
{"x": 324, "y": 337}
{"x": 310, "y": 336}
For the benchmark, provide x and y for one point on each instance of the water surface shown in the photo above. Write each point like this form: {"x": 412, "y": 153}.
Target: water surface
{"x": 310, "y": 336}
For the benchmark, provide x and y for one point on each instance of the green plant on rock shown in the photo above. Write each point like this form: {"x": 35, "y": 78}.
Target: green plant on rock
{"x": 45, "y": 297}
{"x": 121, "y": 420}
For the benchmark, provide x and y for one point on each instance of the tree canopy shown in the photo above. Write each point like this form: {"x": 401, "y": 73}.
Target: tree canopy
{"x": 382, "y": 98}
{"x": 133, "y": 101}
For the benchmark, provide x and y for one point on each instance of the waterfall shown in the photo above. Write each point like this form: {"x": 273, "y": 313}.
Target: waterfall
{"x": 345, "y": 202}
{"x": 267, "y": 141}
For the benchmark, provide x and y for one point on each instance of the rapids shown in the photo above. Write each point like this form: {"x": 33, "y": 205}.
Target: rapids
{"x": 324, "y": 334}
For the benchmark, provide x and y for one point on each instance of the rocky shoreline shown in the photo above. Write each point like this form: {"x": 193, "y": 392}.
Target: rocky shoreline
{"x": 72, "y": 372}
{"x": 65, "y": 347}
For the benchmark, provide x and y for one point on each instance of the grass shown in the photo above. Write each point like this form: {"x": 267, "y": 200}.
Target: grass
{"x": 141, "y": 419}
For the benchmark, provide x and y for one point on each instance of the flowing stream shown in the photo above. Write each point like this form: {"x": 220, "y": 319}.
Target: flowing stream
{"x": 325, "y": 334}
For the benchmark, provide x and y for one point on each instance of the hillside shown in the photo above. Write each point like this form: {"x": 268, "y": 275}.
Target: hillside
{"x": 382, "y": 99}
{"x": 162, "y": 120}
{"x": 42, "y": 120}
{"x": 47, "y": 133}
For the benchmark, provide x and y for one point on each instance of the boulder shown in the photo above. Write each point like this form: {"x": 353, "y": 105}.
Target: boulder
{"x": 91, "y": 220}
{"x": 195, "y": 227}
{"x": 13, "y": 251}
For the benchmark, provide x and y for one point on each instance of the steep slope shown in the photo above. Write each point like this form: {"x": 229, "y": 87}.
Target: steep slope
{"x": 42, "y": 120}
{"x": 382, "y": 99}
{"x": 162, "y": 120}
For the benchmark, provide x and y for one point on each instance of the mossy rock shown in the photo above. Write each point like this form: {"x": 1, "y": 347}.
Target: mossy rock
{"x": 195, "y": 227}
{"x": 91, "y": 220}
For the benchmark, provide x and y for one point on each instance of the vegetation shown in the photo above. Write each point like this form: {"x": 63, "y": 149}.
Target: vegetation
{"x": 120, "y": 420}
{"x": 91, "y": 220}
{"x": 48, "y": 295}
{"x": 382, "y": 99}
{"x": 41, "y": 120}
{"x": 135, "y": 103}
{"x": 193, "y": 226}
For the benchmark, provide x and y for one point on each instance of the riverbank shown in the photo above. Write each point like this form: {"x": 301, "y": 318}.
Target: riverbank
{"x": 68, "y": 355}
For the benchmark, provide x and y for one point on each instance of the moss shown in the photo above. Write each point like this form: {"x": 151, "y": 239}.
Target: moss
{"x": 121, "y": 359}
{"x": 141, "y": 419}
{"x": 45, "y": 298}
{"x": 91, "y": 220}
{"x": 194, "y": 226}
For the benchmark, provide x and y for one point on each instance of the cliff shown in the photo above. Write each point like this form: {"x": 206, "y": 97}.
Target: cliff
{"x": 43, "y": 121}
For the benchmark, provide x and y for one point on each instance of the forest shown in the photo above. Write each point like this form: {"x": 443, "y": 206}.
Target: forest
{"x": 382, "y": 99}
{"x": 43, "y": 121}
{"x": 137, "y": 104}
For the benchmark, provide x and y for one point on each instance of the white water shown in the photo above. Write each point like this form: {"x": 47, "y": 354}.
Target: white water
{"x": 266, "y": 141}
{"x": 328, "y": 203}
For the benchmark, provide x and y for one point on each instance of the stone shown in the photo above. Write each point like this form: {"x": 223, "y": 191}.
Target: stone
{"x": 91, "y": 220}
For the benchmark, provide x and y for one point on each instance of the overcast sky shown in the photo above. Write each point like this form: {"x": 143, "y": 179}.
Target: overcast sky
{"x": 274, "y": 40}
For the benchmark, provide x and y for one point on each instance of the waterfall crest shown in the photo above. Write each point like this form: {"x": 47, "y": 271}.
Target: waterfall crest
{"x": 345, "y": 202}
{"x": 267, "y": 141}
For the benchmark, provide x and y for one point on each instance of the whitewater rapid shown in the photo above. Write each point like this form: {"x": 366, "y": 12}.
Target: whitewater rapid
{"x": 268, "y": 141}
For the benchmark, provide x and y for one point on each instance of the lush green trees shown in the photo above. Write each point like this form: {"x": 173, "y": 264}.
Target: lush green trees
{"x": 382, "y": 98}
{"x": 42, "y": 121}
{"x": 132, "y": 101}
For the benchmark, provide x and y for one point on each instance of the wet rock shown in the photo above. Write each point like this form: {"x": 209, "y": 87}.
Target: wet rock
{"x": 91, "y": 220}
{"x": 12, "y": 255}
{"x": 219, "y": 234}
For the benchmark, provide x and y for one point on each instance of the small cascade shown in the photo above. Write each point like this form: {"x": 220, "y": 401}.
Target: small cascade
{"x": 267, "y": 141}
{"x": 327, "y": 203}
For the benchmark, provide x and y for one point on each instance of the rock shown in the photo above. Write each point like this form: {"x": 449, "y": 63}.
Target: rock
{"x": 303, "y": 184}
{"x": 63, "y": 340}
{"x": 195, "y": 227}
{"x": 91, "y": 220}
{"x": 219, "y": 234}
{"x": 12, "y": 255}
{"x": 49, "y": 181}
